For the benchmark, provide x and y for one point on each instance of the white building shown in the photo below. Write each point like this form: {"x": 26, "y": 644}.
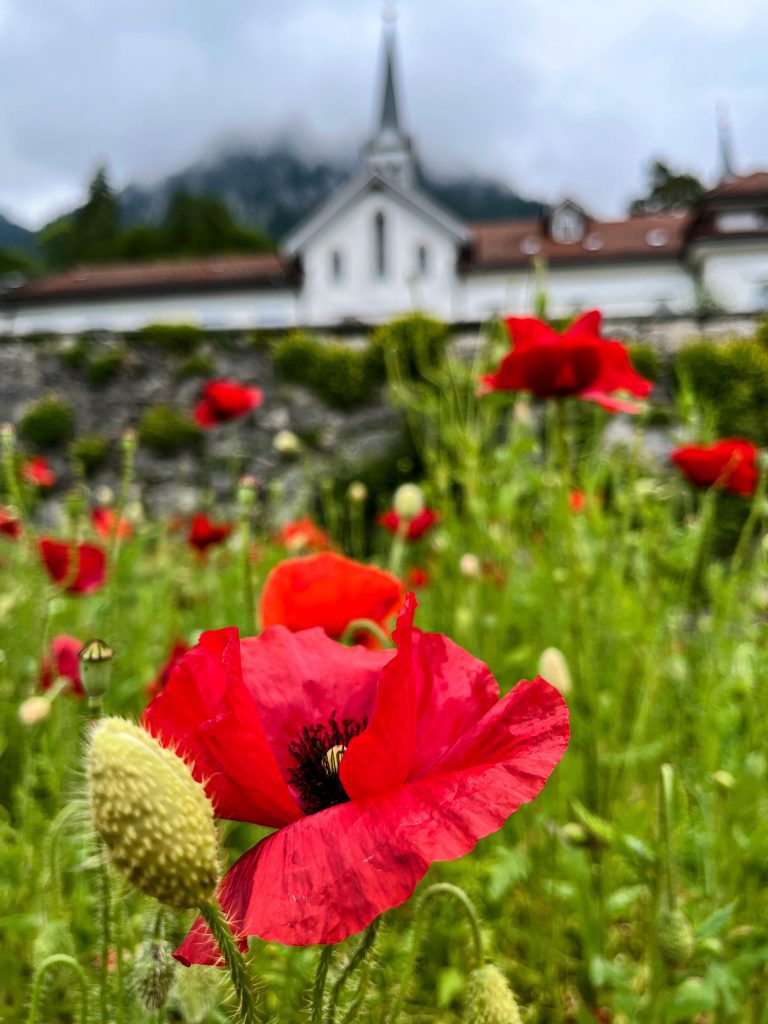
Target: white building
{"x": 380, "y": 248}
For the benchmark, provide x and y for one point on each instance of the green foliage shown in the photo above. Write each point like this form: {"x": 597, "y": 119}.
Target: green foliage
{"x": 730, "y": 381}
{"x": 667, "y": 190}
{"x": 166, "y": 431}
{"x": 48, "y": 422}
{"x": 90, "y": 234}
{"x": 104, "y": 366}
{"x": 645, "y": 359}
{"x": 412, "y": 347}
{"x": 761, "y": 334}
{"x": 342, "y": 377}
{"x": 89, "y": 452}
{"x": 14, "y": 262}
{"x": 196, "y": 365}
{"x": 180, "y": 339}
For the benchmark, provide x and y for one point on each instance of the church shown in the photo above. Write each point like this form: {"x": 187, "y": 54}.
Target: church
{"x": 379, "y": 248}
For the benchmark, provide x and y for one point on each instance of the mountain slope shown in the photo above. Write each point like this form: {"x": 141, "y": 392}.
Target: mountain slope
{"x": 12, "y": 236}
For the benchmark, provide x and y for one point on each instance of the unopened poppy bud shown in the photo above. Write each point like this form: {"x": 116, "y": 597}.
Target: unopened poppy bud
{"x": 469, "y": 566}
{"x": 554, "y": 668}
{"x": 408, "y": 501}
{"x": 490, "y": 999}
{"x": 357, "y": 492}
{"x": 332, "y": 759}
{"x": 154, "y": 818}
{"x": 74, "y": 504}
{"x": 724, "y": 781}
{"x": 96, "y": 668}
{"x": 246, "y": 492}
{"x": 34, "y": 709}
{"x": 152, "y": 974}
{"x": 676, "y": 938}
{"x": 286, "y": 443}
{"x": 574, "y": 833}
{"x": 128, "y": 441}
{"x": 197, "y": 991}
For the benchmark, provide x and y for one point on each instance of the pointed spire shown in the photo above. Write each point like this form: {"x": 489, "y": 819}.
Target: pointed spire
{"x": 389, "y": 153}
{"x": 725, "y": 144}
{"x": 389, "y": 119}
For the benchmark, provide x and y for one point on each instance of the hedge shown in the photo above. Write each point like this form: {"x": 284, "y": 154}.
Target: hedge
{"x": 342, "y": 377}
{"x": 48, "y": 422}
{"x": 166, "y": 431}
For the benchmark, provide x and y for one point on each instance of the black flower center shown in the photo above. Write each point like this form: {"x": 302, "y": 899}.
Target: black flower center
{"x": 318, "y": 750}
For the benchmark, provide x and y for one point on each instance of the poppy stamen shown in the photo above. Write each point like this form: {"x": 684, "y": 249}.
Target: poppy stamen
{"x": 318, "y": 750}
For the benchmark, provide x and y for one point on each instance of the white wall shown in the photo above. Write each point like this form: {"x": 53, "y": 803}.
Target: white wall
{"x": 360, "y": 293}
{"x": 736, "y": 273}
{"x": 237, "y": 309}
{"x": 631, "y": 289}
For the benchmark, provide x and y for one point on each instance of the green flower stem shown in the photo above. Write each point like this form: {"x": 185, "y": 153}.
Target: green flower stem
{"x": 106, "y": 937}
{"x": 249, "y": 598}
{"x": 362, "y": 990}
{"x": 397, "y": 551}
{"x": 58, "y": 960}
{"x": 365, "y": 625}
{"x": 438, "y": 889}
{"x": 318, "y": 987}
{"x": 357, "y": 960}
{"x": 242, "y": 981}
{"x": 8, "y": 458}
{"x": 666, "y": 827}
{"x": 52, "y": 853}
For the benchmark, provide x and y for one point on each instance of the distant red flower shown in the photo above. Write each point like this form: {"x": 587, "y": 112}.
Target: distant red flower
{"x": 329, "y": 591}
{"x": 158, "y": 684}
{"x": 9, "y": 524}
{"x": 79, "y": 568}
{"x": 203, "y": 533}
{"x": 37, "y": 471}
{"x": 730, "y": 464}
{"x": 370, "y": 765}
{"x": 303, "y": 535}
{"x": 417, "y": 526}
{"x": 62, "y": 661}
{"x": 578, "y": 362}
{"x": 577, "y": 500}
{"x": 416, "y": 577}
{"x": 104, "y": 520}
{"x": 225, "y": 400}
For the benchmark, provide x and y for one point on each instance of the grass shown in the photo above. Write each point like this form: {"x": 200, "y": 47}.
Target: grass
{"x": 668, "y": 650}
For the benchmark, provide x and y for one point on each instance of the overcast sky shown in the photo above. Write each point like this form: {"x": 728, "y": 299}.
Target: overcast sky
{"x": 553, "y": 97}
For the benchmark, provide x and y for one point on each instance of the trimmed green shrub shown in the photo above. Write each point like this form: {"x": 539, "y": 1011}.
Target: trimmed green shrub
{"x": 75, "y": 355}
{"x": 196, "y": 365}
{"x": 731, "y": 382}
{"x": 166, "y": 431}
{"x": 89, "y": 452}
{"x": 104, "y": 366}
{"x": 49, "y": 422}
{"x": 342, "y": 377}
{"x": 179, "y": 339}
{"x": 411, "y": 346}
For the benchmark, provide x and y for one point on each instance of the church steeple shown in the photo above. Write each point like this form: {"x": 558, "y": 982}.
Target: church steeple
{"x": 725, "y": 144}
{"x": 390, "y": 152}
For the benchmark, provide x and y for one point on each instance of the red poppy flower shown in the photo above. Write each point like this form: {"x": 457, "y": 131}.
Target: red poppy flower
{"x": 225, "y": 400}
{"x": 416, "y": 577}
{"x": 62, "y": 661}
{"x": 158, "y": 684}
{"x": 9, "y": 524}
{"x": 329, "y": 591}
{"x": 203, "y": 533}
{"x": 578, "y": 362}
{"x": 80, "y": 568}
{"x": 730, "y": 464}
{"x": 417, "y": 526}
{"x": 37, "y": 471}
{"x": 303, "y": 535}
{"x": 432, "y": 761}
{"x": 577, "y": 500}
{"x": 104, "y": 521}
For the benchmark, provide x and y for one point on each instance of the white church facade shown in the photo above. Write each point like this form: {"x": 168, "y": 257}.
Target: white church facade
{"x": 380, "y": 248}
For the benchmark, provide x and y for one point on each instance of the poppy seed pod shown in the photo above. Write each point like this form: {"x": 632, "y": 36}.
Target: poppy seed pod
{"x": 153, "y": 816}
{"x": 408, "y": 501}
{"x": 490, "y": 1000}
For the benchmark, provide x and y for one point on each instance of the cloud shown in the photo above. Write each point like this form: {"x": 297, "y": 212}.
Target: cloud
{"x": 554, "y": 98}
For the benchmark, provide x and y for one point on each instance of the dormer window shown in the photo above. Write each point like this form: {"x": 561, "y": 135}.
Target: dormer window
{"x": 379, "y": 245}
{"x": 568, "y": 223}
{"x": 337, "y": 266}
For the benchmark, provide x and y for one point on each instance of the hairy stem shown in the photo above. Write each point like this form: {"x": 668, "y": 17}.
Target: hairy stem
{"x": 242, "y": 980}
{"x": 58, "y": 960}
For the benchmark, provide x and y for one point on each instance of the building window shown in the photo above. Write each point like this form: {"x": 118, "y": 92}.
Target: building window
{"x": 337, "y": 265}
{"x": 422, "y": 260}
{"x": 380, "y": 245}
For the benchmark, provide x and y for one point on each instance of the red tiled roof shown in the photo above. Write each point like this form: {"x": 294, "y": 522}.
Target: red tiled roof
{"x": 746, "y": 187}
{"x": 260, "y": 270}
{"x": 516, "y": 243}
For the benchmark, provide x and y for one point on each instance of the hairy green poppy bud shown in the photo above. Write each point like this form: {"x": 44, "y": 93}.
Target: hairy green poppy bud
{"x": 286, "y": 443}
{"x": 153, "y": 816}
{"x": 408, "y": 501}
{"x": 197, "y": 992}
{"x": 490, "y": 999}
{"x": 152, "y": 974}
{"x": 357, "y": 492}
{"x": 676, "y": 939}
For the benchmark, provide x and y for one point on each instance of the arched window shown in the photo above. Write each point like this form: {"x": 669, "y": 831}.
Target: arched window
{"x": 422, "y": 260}
{"x": 337, "y": 265}
{"x": 380, "y": 245}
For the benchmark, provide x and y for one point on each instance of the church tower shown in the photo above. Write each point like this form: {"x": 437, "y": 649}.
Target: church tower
{"x": 390, "y": 152}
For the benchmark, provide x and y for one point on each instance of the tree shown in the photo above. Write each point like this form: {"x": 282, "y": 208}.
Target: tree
{"x": 96, "y": 225}
{"x": 667, "y": 190}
